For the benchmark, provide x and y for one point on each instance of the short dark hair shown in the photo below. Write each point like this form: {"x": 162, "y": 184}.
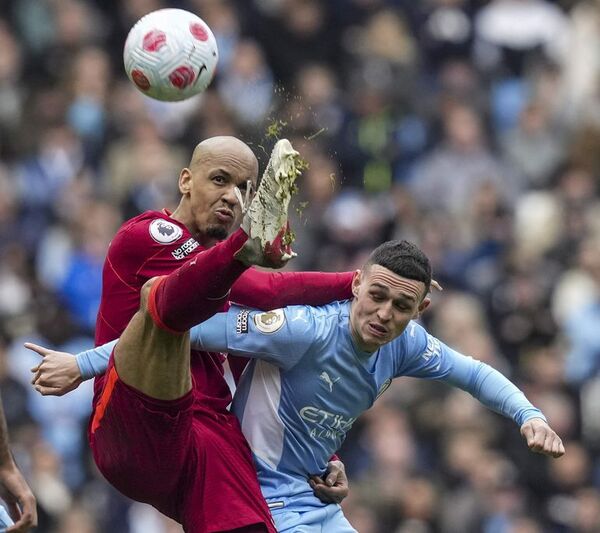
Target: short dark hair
{"x": 404, "y": 259}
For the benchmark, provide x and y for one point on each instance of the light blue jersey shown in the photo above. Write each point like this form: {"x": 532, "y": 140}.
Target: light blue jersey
{"x": 5, "y": 519}
{"x": 308, "y": 383}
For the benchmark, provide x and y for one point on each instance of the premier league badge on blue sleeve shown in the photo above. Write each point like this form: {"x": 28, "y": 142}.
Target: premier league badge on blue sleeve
{"x": 269, "y": 322}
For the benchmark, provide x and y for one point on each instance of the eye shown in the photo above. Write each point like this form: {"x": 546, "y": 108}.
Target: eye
{"x": 377, "y": 297}
{"x": 219, "y": 180}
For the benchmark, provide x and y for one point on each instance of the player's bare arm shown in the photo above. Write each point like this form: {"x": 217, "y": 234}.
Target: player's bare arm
{"x": 14, "y": 490}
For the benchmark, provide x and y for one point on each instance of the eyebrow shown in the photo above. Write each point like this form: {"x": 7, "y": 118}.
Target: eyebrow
{"x": 221, "y": 171}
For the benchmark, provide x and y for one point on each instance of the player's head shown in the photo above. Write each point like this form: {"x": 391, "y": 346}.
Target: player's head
{"x": 389, "y": 291}
{"x": 209, "y": 207}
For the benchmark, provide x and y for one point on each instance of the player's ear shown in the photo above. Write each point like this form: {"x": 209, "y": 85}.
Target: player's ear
{"x": 185, "y": 181}
{"x": 356, "y": 282}
{"x": 423, "y": 305}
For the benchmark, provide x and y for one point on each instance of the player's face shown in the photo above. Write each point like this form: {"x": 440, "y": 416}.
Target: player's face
{"x": 213, "y": 205}
{"x": 384, "y": 303}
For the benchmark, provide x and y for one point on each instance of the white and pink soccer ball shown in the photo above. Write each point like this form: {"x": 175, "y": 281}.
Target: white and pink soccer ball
{"x": 170, "y": 54}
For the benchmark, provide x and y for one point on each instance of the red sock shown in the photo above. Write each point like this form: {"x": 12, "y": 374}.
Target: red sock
{"x": 199, "y": 288}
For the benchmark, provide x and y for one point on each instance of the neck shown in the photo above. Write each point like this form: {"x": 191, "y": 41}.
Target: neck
{"x": 180, "y": 216}
{"x": 184, "y": 217}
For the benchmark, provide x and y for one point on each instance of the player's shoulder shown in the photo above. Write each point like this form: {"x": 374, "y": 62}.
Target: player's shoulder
{"x": 151, "y": 227}
{"x": 327, "y": 312}
{"x": 413, "y": 336}
{"x": 324, "y": 322}
{"x": 416, "y": 340}
{"x": 157, "y": 225}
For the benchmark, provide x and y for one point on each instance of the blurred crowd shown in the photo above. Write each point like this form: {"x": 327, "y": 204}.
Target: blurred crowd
{"x": 470, "y": 127}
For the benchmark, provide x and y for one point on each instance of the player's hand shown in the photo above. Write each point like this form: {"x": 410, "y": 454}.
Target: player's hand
{"x": 57, "y": 373}
{"x": 333, "y": 486}
{"x": 541, "y": 438}
{"x": 19, "y": 499}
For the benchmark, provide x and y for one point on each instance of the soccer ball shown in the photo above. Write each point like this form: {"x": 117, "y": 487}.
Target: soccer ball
{"x": 170, "y": 54}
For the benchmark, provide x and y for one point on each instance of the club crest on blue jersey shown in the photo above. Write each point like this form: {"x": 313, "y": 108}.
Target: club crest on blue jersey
{"x": 164, "y": 232}
{"x": 269, "y": 322}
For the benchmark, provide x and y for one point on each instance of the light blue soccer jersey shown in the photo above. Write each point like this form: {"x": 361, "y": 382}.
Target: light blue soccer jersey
{"x": 308, "y": 383}
{"x": 5, "y": 519}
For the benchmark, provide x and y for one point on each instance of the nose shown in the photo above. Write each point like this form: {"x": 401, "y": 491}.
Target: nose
{"x": 384, "y": 312}
{"x": 229, "y": 197}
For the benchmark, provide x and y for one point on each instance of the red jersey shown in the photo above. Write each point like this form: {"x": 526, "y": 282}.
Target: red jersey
{"x": 154, "y": 244}
{"x": 195, "y": 465}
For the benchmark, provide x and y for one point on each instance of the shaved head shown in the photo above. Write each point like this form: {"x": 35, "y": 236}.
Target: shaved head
{"x": 220, "y": 169}
{"x": 222, "y": 146}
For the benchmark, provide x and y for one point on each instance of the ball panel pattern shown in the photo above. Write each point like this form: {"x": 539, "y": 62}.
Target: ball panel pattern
{"x": 170, "y": 54}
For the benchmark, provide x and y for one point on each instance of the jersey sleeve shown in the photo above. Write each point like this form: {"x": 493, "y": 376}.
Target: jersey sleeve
{"x": 271, "y": 290}
{"x": 423, "y": 356}
{"x": 427, "y": 357}
{"x": 274, "y": 336}
{"x": 135, "y": 253}
{"x": 130, "y": 248}
{"x": 94, "y": 362}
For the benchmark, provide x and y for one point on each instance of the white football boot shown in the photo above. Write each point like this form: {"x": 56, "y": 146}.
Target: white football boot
{"x": 265, "y": 220}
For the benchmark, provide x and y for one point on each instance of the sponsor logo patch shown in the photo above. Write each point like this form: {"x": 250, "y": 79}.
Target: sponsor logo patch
{"x": 269, "y": 322}
{"x": 241, "y": 322}
{"x": 164, "y": 232}
{"x": 185, "y": 249}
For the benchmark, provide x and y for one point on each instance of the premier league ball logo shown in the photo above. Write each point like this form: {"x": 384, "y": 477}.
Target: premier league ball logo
{"x": 165, "y": 232}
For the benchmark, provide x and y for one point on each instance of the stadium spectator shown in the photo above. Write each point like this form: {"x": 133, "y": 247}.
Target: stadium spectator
{"x": 518, "y": 300}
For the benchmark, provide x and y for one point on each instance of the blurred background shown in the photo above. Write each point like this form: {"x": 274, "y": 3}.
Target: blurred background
{"x": 469, "y": 127}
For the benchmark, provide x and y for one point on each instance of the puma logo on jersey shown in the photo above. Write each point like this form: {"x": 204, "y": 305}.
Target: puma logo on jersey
{"x": 300, "y": 316}
{"x": 330, "y": 382}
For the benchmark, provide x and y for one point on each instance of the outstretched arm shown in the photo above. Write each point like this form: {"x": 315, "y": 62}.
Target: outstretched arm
{"x": 62, "y": 372}
{"x": 13, "y": 488}
{"x": 270, "y": 290}
{"x": 498, "y": 393}
{"x": 427, "y": 357}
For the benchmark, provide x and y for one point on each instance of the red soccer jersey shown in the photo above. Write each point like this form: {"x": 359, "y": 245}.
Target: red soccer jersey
{"x": 154, "y": 244}
{"x": 150, "y": 245}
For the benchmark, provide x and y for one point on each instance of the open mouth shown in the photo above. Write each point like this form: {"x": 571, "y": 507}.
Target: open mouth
{"x": 377, "y": 329}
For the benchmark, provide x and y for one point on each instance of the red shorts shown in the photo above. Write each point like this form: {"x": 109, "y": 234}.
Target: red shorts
{"x": 194, "y": 466}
